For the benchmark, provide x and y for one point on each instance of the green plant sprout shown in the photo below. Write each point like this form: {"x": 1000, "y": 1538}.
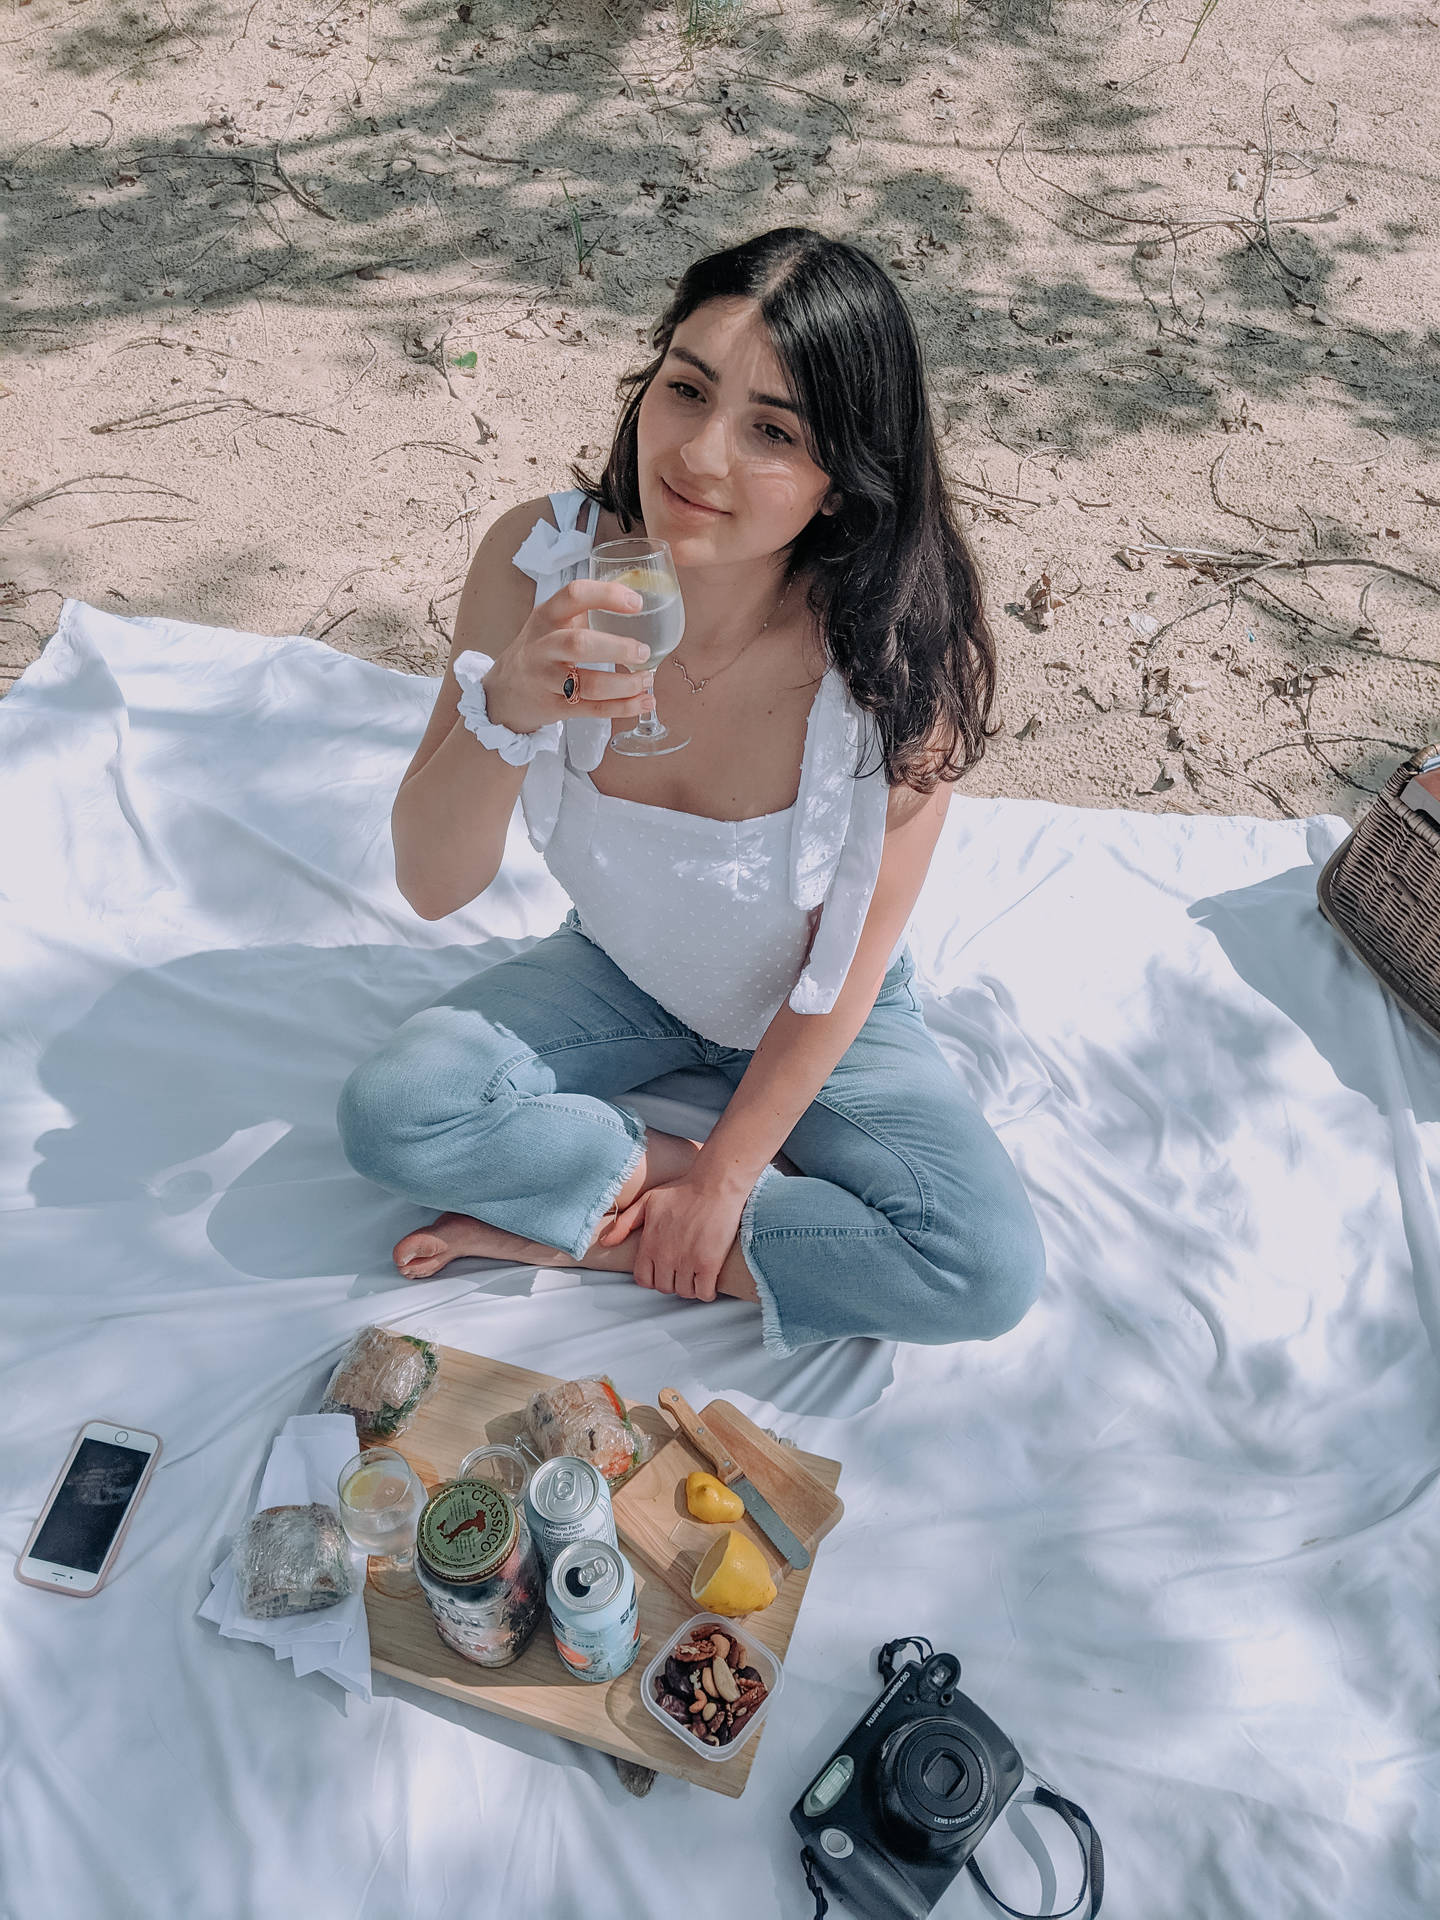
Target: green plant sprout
{"x": 713, "y": 20}
{"x": 582, "y": 252}
{"x": 1207, "y": 8}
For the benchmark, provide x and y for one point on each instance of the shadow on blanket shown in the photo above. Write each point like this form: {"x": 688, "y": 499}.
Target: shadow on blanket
{"x": 211, "y": 1083}
{"x": 1259, "y": 927}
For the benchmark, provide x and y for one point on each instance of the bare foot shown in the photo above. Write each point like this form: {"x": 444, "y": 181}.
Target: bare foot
{"x": 455, "y": 1236}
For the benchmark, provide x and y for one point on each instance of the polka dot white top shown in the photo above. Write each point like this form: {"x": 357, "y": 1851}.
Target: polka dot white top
{"x": 712, "y": 918}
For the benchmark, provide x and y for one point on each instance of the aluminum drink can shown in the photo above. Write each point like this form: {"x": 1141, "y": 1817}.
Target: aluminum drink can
{"x": 568, "y": 1499}
{"x": 479, "y": 1572}
{"x": 593, "y": 1613}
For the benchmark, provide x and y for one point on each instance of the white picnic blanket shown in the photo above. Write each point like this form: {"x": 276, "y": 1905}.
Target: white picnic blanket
{"x": 1180, "y": 1526}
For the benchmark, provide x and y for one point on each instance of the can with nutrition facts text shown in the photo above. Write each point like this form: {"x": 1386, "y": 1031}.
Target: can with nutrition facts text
{"x": 567, "y": 1500}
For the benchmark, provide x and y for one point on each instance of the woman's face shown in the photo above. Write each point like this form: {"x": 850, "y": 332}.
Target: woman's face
{"x": 718, "y": 427}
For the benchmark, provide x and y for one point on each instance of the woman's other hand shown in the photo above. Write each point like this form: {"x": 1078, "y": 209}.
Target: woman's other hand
{"x": 686, "y": 1231}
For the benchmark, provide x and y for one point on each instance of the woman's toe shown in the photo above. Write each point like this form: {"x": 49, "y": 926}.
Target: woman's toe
{"x": 419, "y": 1255}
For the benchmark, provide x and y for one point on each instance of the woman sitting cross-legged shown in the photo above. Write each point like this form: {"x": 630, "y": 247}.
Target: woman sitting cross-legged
{"x": 741, "y": 903}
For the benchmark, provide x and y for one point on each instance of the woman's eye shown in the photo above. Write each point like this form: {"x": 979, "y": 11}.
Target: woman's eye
{"x": 768, "y": 428}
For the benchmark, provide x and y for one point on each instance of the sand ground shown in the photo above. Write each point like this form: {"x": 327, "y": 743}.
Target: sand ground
{"x": 298, "y": 297}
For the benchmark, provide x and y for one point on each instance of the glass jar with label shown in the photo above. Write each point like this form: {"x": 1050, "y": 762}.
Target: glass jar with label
{"x": 479, "y": 1571}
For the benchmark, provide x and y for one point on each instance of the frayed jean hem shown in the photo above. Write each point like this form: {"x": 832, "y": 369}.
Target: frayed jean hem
{"x": 772, "y": 1334}
{"x": 636, "y": 1129}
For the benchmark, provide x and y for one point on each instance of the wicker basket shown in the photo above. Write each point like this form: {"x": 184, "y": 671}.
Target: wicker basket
{"x": 1380, "y": 890}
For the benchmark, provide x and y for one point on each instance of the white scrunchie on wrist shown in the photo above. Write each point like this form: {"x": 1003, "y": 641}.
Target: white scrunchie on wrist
{"x": 515, "y": 749}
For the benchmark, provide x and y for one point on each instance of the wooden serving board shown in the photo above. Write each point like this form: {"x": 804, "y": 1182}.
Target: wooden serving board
{"x": 652, "y": 1517}
{"x": 479, "y": 1400}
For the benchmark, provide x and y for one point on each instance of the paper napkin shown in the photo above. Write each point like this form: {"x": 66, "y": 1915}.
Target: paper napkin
{"x": 304, "y": 1466}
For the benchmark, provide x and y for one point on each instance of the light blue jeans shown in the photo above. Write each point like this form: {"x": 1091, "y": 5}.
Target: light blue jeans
{"x": 908, "y": 1221}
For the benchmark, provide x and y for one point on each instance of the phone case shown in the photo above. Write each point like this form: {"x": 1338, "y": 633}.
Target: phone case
{"x": 47, "y": 1586}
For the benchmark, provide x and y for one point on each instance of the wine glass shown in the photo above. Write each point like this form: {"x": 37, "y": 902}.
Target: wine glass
{"x": 645, "y": 565}
{"x": 380, "y": 1500}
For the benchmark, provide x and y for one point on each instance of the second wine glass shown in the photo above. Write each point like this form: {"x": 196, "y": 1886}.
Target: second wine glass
{"x": 380, "y": 1500}
{"x": 645, "y": 565}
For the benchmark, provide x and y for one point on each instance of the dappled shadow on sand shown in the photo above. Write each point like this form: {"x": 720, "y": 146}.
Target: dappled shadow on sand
{"x": 387, "y": 198}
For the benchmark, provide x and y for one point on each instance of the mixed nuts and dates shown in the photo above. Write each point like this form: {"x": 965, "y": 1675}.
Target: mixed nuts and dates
{"x": 708, "y": 1685}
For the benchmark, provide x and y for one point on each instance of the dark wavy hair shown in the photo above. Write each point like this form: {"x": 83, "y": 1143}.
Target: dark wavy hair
{"x": 896, "y": 590}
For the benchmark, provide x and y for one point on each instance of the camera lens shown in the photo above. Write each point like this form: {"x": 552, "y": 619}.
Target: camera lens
{"x": 934, "y": 1786}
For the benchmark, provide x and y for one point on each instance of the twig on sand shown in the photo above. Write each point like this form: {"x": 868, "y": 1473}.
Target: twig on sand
{"x": 994, "y": 493}
{"x": 1217, "y": 467}
{"x": 11, "y": 620}
{"x": 593, "y": 53}
{"x": 330, "y": 625}
{"x": 436, "y": 625}
{"x": 1305, "y": 563}
{"x": 184, "y": 410}
{"x": 1335, "y": 740}
{"x": 440, "y": 446}
{"x": 190, "y": 346}
{"x": 1252, "y": 228}
{"x": 324, "y": 606}
{"x": 96, "y": 146}
{"x": 477, "y": 153}
{"x": 1277, "y": 800}
{"x": 781, "y": 86}
{"x": 298, "y": 193}
{"x": 146, "y": 520}
{"x": 75, "y": 485}
{"x": 1266, "y": 244}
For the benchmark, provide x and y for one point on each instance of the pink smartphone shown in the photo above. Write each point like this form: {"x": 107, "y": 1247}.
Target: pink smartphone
{"x": 73, "y": 1544}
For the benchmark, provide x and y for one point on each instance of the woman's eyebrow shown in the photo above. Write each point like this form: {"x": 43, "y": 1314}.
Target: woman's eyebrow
{"x": 756, "y": 399}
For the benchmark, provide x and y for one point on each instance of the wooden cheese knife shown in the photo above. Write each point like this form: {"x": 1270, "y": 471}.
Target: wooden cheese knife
{"x": 727, "y": 1469}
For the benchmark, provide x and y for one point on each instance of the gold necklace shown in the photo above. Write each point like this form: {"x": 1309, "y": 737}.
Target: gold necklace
{"x": 699, "y": 686}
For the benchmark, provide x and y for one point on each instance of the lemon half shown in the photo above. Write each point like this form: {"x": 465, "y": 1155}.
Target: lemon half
{"x": 733, "y": 1578}
{"x": 710, "y": 1499}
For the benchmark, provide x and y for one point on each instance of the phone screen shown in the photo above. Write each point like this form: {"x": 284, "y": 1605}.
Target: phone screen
{"x": 90, "y": 1505}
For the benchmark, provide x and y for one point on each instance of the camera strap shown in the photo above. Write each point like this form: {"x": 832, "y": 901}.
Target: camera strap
{"x": 822, "y": 1904}
{"x": 1092, "y": 1887}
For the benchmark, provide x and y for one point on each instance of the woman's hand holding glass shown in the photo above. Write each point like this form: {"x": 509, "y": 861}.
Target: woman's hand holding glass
{"x": 525, "y": 689}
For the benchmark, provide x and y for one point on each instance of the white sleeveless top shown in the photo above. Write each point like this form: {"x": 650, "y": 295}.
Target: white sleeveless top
{"x": 712, "y": 918}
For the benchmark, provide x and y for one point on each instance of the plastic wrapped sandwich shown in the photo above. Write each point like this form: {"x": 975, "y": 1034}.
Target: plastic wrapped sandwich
{"x": 382, "y": 1378}
{"x": 293, "y": 1560}
{"x": 587, "y": 1419}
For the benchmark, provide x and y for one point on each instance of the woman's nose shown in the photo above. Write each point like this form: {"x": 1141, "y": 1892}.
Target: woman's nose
{"x": 708, "y": 449}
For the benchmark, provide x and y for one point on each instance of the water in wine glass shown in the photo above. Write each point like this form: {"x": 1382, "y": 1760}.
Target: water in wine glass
{"x": 379, "y": 1508}
{"x": 646, "y": 567}
{"x": 660, "y": 623}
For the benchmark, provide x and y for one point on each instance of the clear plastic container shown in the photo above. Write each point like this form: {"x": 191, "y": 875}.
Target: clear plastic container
{"x": 760, "y": 1657}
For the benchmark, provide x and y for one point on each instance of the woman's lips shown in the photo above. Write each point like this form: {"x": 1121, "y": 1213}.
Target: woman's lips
{"x": 688, "y": 506}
